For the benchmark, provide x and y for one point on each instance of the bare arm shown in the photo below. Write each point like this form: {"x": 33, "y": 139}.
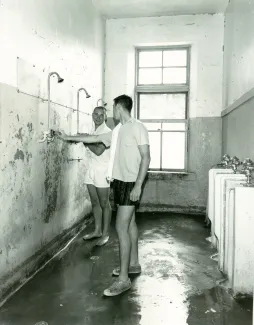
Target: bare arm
{"x": 143, "y": 168}
{"x": 104, "y": 138}
{"x": 144, "y": 165}
{"x": 81, "y": 138}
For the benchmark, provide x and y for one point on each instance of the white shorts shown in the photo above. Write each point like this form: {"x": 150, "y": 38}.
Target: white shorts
{"x": 97, "y": 177}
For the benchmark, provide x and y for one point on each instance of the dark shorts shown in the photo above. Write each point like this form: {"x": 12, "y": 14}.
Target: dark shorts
{"x": 122, "y": 191}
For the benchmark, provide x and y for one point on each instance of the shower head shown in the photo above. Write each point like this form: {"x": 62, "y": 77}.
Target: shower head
{"x": 87, "y": 95}
{"x": 102, "y": 101}
{"x": 59, "y": 79}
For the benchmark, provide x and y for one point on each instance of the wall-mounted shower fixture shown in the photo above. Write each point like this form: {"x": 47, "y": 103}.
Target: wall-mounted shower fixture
{"x": 49, "y": 134}
{"x": 102, "y": 102}
{"x": 87, "y": 96}
{"x": 59, "y": 80}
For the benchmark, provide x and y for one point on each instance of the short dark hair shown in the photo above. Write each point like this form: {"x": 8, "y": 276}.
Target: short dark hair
{"x": 125, "y": 101}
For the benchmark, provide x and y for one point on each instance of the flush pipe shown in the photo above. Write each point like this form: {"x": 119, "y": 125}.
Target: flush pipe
{"x": 225, "y": 162}
{"x": 87, "y": 96}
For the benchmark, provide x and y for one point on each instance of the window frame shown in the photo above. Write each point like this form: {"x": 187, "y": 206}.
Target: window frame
{"x": 165, "y": 89}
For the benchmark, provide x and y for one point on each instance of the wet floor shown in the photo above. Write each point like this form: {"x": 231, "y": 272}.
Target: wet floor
{"x": 177, "y": 285}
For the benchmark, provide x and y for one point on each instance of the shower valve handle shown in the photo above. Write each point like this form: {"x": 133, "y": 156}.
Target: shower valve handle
{"x": 47, "y": 136}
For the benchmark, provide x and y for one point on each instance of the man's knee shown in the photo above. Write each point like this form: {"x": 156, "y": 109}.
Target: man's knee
{"x": 120, "y": 228}
{"x": 95, "y": 203}
{"x": 104, "y": 203}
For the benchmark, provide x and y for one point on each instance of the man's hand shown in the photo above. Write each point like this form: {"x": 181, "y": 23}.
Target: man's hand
{"x": 135, "y": 193}
{"x": 61, "y": 135}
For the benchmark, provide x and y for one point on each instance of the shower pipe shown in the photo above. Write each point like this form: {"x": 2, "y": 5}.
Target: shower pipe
{"x": 87, "y": 96}
{"x": 48, "y": 135}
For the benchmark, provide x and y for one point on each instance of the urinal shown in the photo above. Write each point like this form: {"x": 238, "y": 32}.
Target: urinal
{"x": 211, "y": 198}
{"x": 240, "y": 257}
{"x": 227, "y": 184}
{"x": 219, "y": 198}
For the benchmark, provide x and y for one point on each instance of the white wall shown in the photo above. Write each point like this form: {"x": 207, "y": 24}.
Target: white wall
{"x": 203, "y": 32}
{"x": 60, "y": 34}
{"x": 239, "y": 50}
{"x": 238, "y": 124}
{"x": 42, "y": 194}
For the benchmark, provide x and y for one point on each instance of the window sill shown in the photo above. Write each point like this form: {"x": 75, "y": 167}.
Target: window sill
{"x": 164, "y": 175}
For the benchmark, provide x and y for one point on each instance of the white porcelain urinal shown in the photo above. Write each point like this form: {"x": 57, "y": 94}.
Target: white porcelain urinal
{"x": 240, "y": 261}
{"x": 228, "y": 182}
{"x": 211, "y": 196}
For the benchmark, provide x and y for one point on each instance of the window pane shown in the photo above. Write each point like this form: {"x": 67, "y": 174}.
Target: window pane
{"x": 162, "y": 106}
{"x": 153, "y": 126}
{"x": 150, "y": 59}
{"x": 154, "y": 139}
{"x": 175, "y": 58}
{"x": 173, "y": 150}
{"x": 150, "y": 76}
{"x": 174, "y": 76}
{"x": 174, "y": 126}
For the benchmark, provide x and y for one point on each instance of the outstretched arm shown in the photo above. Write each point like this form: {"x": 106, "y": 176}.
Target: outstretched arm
{"x": 85, "y": 138}
{"x": 79, "y": 138}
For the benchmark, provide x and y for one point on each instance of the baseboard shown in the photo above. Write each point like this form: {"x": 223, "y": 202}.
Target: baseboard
{"x": 13, "y": 281}
{"x": 191, "y": 210}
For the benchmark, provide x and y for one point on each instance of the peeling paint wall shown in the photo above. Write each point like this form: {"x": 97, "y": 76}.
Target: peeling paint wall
{"x": 205, "y": 34}
{"x": 42, "y": 193}
{"x": 239, "y": 50}
{"x": 238, "y": 125}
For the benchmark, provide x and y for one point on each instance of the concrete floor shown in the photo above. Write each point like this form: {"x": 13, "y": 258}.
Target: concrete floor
{"x": 177, "y": 286}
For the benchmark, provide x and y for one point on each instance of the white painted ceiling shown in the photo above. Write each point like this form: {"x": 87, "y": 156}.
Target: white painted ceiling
{"x": 150, "y": 8}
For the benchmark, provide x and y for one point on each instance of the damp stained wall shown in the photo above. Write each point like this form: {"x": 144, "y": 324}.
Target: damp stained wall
{"x": 42, "y": 193}
{"x": 238, "y": 124}
{"x": 205, "y": 35}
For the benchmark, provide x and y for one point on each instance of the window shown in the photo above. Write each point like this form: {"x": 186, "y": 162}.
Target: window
{"x": 162, "y": 88}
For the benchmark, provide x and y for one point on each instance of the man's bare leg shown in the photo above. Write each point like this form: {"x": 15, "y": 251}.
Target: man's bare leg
{"x": 134, "y": 266}
{"x": 97, "y": 212}
{"x": 123, "y": 219}
{"x": 133, "y": 233}
{"x": 103, "y": 194}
